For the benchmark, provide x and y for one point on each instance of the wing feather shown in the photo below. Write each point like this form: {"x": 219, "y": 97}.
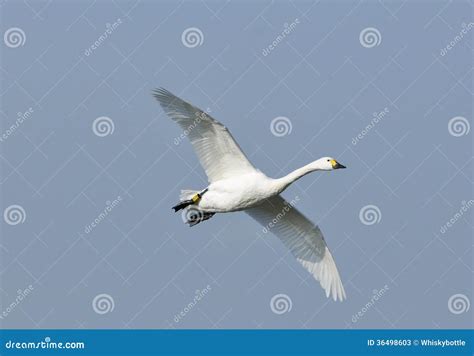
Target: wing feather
{"x": 217, "y": 151}
{"x": 304, "y": 239}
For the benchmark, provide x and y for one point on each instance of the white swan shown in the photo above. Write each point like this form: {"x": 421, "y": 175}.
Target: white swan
{"x": 235, "y": 184}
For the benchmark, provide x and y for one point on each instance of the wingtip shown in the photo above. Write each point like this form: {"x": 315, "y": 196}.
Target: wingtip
{"x": 342, "y": 295}
{"x": 164, "y": 96}
{"x": 338, "y": 298}
{"x": 159, "y": 92}
{"x": 336, "y": 292}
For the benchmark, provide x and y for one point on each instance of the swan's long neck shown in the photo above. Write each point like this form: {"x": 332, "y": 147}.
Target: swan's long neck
{"x": 285, "y": 181}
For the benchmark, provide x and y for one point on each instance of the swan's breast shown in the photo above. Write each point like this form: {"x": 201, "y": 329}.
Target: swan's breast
{"x": 237, "y": 193}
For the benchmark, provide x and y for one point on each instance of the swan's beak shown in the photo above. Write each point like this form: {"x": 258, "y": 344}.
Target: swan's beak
{"x": 336, "y": 165}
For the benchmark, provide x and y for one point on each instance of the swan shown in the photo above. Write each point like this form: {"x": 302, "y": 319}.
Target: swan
{"x": 236, "y": 185}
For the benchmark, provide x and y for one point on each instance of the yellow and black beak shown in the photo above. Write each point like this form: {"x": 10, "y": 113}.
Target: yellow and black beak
{"x": 336, "y": 165}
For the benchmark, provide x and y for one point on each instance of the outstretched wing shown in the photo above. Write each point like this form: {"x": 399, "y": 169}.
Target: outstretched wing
{"x": 219, "y": 154}
{"x": 303, "y": 239}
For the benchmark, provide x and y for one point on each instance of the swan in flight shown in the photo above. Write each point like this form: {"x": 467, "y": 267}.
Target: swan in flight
{"x": 236, "y": 185}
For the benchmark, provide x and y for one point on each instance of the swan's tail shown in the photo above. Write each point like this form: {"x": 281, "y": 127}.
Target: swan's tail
{"x": 192, "y": 215}
{"x": 188, "y": 197}
{"x": 187, "y": 194}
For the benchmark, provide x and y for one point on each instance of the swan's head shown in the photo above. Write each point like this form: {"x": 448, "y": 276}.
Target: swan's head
{"x": 328, "y": 164}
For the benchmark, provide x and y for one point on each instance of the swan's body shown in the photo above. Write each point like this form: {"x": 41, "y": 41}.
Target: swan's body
{"x": 235, "y": 185}
{"x": 238, "y": 193}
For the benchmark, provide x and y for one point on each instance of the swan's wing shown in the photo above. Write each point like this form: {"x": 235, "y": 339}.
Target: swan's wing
{"x": 304, "y": 239}
{"x": 219, "y": 154}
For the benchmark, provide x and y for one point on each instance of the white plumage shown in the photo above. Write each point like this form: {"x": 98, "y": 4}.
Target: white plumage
{"x": 235, "y": 184}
